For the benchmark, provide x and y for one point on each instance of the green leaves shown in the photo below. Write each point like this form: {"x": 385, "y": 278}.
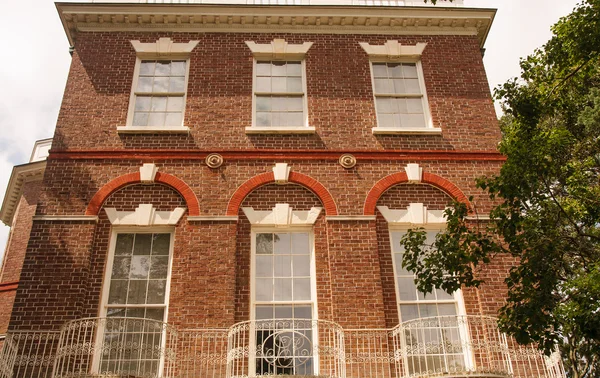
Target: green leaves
{"x": 547, "y": 195}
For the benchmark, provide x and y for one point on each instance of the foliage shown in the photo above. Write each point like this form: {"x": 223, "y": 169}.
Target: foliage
{"x": 547, "y": 202}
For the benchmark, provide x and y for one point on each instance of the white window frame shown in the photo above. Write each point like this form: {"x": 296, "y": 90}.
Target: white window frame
{"x": 163, "y": 50}
{"x": 280, "y": 50}
{"x": 313, "y": 289}
{"x": 458, "y": 296}
{"x": 394, "y": 52}
{"x": 280, "y": 129}
{"x": 104, "y": 306}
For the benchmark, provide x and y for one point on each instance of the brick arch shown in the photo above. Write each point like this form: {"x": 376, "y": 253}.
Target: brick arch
{"x": 399, "y": 178}
{"x": 268, "y": 177}
{"x": 134, "y": 178}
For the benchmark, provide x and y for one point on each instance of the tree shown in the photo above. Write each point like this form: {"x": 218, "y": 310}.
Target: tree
{"x": 547, "y": 202}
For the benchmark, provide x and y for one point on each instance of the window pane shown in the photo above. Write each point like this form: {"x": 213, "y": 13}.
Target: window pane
{"x": 173, "y": 119}
{"x": 412, "y": 86}
{"x": 283, "y": 266}
{"x": 294, "y": 103}
{"x": 264, "y": 244}
{"x": 264, "y": 289}
{"x": 427, "y": 310}
{"x": 395, "y": 70}
{"x": 294, "y": 69}
{"x": 156, "y": 119}
{"x": 399, "y": 86}
{"x": 144, "y": 84}
{"x": 278, "y": 84}
{"x": 300, "y": 243}
{"x": 414, "y": 105}
{"x": 379, "y": 70}
{"x": 121, "y": 266}
{"x": 162, "y": 69}
{"x": 301, "y": 266}
{"x": 263, "y": 312}
{"x": 263, "y": 68}
{"x": 155, "y": 314}
{"x": 385, "y": 105}
{"x": 264, "y": 266}
{"x": 140, "y": 119}
{"x": 161, "y": 84}
{"x": 159, "y": 104}
{"x": 382, "y": 86}
{"x": 142, "y": 103}
{"x": 302, "y": 312}
{"x": 178, "y": 68}
{"x": 302, "y": 289}
{"x": 282, "y": 244}
{"x": 283, "y": 312}
{"x": 263, "y": 84}
{"x": 124, "y": 244}
{"x": 175, "y": 103}
{"x": 142, "y": 244}
{"x": 283, "y": 289}
{"x": 295, "y": 119}
{"x": 447, "y": 309}
{"x": 161, "y": 244}
{"x": 263, "y": 103}
{"x": 408, "y": 312}
{"x": 140, "y": 267}
{"x": 409, "y": 71}
{"x": 147, "y": 68}
{"x": 294, "y": 84}
{"x": 412, "y": 120}
{"x": 137, "y": 292}
{"x": 117, "y": 292}
{"x": 177, "y": 84}
{"x": 399, "y": 269}
{"x": 407, "y": 289}
{"x": 278, "y": 68}
{"x": 386, "y": 120}
{"x": 263, "y": 119}
{"x": 442, "y": 295}
{"x": 159, "y": 267}
{"x": 156, "y": 291}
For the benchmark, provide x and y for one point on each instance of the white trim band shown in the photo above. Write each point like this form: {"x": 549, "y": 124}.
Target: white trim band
{"x": 144, "y": 215}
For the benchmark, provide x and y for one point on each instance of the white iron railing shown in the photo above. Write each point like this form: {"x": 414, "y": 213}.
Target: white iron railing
{"x": 446, "y": 346}
{"x": 28, "y": 354}
{"x": 390, "y": 3}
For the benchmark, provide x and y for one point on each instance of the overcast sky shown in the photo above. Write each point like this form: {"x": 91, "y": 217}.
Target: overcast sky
{"x": 35, "y": 61}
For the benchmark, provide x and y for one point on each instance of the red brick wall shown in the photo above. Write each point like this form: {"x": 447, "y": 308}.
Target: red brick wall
{"x": 15, "y": 250}
{"x": 219, "y": 96}
{"x": 210, "y": 277}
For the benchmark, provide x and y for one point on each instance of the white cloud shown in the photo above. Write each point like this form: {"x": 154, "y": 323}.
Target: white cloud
{"x": 35, "y": 62}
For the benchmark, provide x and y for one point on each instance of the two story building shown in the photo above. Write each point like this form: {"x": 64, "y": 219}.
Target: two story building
{"x": 228, "y": 185}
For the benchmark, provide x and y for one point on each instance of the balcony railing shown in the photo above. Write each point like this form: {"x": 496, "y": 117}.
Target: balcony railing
{"x": 447, "y": 346}
{"x": 388, "y": 3}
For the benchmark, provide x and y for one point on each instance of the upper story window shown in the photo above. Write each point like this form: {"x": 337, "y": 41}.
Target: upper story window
{"x": 279, "y": 94}
{"x": 399, "y": 89}
{"x": 158, "y": 93}
{"x": 279, "y": 88}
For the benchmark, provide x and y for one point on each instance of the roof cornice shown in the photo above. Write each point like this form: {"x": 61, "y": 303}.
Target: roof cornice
{"x": 95, "y": 17}
{"x": 21, "y": 174}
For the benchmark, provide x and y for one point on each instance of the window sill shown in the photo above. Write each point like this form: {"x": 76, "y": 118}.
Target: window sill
{"x": 153, "y": 129}
{"x": 280, "y": 130}
{"x": 407, "y": 130}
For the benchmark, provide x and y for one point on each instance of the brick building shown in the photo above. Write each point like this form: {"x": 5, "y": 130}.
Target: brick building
{"x": 228, "y": 184}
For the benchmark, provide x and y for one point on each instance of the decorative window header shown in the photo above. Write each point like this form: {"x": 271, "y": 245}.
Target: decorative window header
{"x": 144, "y": 215}
{"x": 393, "y": 50}
{"x": 415, "y": 214}
{"x": 282, "y": 215}
{"x": 164, "y": 47}
{"x": 279, "y": 49}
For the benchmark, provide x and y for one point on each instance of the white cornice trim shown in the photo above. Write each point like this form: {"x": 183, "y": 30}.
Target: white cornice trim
{"x": 278, "y": 49}
{"x": 282, "y": 215}
{"x": 21, "y": 174}
{"x": 83, "y": 17}
{"x": 216, "y": 218}
{"x": 163, "y": 47}
{"x": 415, "y": 214}
{"x": 144, "y": 215}
{"x": 393, "y": 50}
{"x": 343, "y": 218}
{"x": 66, "y": 218}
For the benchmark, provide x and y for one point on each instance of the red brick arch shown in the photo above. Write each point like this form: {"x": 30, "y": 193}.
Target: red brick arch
{"x": 398, "y": 178}
{"x": 266, "y": 178}
{"x": 134, "y": 178}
